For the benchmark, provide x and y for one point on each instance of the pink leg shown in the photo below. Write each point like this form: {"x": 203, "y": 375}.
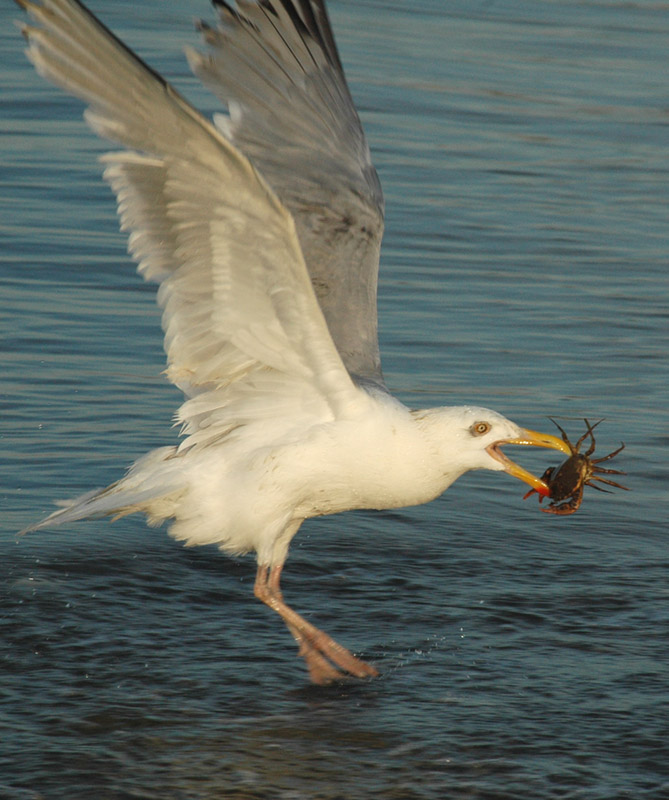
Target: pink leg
{"x": 318, "y": 649}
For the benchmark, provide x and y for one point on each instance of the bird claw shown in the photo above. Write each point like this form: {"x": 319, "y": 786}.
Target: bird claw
{"x": 323, "y": 673}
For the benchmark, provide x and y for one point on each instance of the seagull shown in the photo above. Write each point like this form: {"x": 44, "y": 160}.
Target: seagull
{"x": 262, "y": 228}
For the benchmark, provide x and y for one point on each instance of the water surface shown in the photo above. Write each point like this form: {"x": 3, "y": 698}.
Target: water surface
{"x": 523, "y": 153}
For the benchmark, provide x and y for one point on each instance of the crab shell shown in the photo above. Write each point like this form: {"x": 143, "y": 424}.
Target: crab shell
{"x": 569, "y": 478}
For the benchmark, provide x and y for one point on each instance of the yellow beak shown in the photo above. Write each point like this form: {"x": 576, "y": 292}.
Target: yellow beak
{"x": 532, "y": 438}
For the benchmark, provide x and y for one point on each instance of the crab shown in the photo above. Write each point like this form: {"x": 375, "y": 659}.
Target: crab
{"x": 567, "y": 481}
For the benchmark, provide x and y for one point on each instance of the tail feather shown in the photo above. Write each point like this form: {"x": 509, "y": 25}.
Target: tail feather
{"x": 148, "y": 487}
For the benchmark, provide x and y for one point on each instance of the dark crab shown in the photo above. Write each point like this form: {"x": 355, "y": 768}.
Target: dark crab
{"x": 566, "y": 482}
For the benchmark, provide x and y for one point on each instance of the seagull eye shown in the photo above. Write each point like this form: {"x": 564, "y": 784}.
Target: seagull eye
{"x": 480, "y": 428}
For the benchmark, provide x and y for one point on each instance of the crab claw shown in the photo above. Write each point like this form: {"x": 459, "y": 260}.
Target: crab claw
{"x": 536, "y": 439}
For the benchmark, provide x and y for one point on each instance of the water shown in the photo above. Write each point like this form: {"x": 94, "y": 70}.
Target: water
{"x": 523, "y": 153}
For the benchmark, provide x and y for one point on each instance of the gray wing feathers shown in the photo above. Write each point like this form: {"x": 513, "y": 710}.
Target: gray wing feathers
{"x": 276, "y": 67}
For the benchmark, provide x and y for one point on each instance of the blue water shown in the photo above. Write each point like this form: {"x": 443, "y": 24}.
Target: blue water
{"x": 523, "y": 149}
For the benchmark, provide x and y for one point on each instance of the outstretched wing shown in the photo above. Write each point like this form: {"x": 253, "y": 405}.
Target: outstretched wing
{"x": 275, "y": 64}
{"x": 238, "y": 306}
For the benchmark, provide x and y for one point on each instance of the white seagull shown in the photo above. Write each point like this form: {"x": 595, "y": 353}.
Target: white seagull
{"x": 263, "y": 230}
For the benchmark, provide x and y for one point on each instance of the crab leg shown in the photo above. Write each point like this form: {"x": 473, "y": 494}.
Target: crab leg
{"x": 606, "y": 480}
{"x": 606, "y": 458}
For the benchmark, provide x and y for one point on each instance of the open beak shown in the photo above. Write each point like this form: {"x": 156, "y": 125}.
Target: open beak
{"x": 533, "y": 438}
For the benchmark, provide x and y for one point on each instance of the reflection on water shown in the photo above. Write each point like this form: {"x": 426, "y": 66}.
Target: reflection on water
{"x": 522, "y": 149}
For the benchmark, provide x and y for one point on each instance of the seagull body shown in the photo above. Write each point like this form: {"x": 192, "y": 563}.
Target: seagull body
{"x": 263, "y": 231}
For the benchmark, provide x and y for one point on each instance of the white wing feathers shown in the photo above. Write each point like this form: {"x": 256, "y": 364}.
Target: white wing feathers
{"x": 238, "y": 305}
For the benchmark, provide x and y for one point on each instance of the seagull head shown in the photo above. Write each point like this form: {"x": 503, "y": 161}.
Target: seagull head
{"x": 476, "y": 436}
